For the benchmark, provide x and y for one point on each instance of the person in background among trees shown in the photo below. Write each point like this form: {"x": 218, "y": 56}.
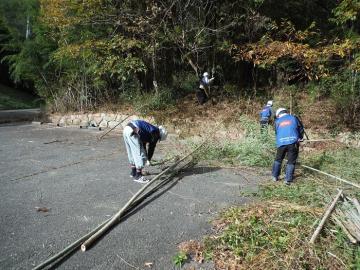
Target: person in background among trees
{"x": 265, "y": 115}
{"x": 203, "y": 92}
{"x": 137, "y": 134}
{"x": 289, "y": 132}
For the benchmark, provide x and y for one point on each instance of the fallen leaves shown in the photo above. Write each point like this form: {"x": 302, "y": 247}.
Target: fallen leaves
{"x": 42, "y": 209}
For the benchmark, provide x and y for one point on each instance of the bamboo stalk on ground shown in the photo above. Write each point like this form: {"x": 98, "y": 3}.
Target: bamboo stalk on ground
{"x": 319, "y": 140}
{"x": 72, "y": 247}
{"x": 114, "y": 219}
{"x": 325, "y": 217}
{"x": 330, "y": 175}
{"x": 102, "y": 136}
{"x": 69, "y": 248}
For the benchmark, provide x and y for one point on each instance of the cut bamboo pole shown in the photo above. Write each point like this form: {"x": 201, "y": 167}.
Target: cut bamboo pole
{"x": 69, "y": 249}
{"x": 102, "y": 136}
{"x": 319, "y": 140}
{"x": 342, "y": 226}
{"x": 332, "y": 176}
{"x": 114, "y": 219}
{"x": 325, "y": 217}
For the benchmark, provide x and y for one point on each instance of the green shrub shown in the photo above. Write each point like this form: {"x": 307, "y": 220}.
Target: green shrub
{"x": 164, "y": 98}
{"x": 185, "y": 82}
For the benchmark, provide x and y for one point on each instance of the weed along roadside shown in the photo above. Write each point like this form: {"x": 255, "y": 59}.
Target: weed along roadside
{"x": 274, "y": 231}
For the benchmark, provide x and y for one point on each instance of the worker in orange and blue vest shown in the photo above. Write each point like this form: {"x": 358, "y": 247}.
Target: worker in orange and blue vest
{"x": 289, "y": 132}
{"x": 266, "y": 114}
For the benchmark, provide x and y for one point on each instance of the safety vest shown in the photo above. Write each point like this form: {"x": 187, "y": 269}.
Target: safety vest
{"x": 265, "y": 114}
{"x": 288, "y": 130}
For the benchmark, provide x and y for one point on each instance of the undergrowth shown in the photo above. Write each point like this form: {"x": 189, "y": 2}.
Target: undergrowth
{"x": 274, "y": 231}
{"x": 251, "y": 150}
{"x": 16, "y": 99}
{"x": 342, "y": 162}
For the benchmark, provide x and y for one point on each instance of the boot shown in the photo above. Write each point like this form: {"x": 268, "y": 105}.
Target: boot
{"x": 276, "y": 170}
{"x": 289, "y": 174}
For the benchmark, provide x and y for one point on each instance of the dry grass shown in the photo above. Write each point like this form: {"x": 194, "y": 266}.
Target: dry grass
{"x": 271, "y": 235}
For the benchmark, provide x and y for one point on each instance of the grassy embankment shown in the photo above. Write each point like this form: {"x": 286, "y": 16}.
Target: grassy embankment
{"x": 273, "y": 232}
{"x": 11, "y": 99}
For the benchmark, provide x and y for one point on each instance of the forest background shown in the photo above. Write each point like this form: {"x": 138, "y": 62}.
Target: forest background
{"x": 81, "y": 55}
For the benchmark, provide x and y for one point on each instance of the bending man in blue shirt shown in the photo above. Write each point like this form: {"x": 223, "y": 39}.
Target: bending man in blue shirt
{"x": 289, "y": 132}
{"x": 137, "y": 134}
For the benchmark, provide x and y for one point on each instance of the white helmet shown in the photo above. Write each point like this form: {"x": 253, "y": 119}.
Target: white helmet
{"x": 280, "y": 111}
{"x": 163, "y": 133}
{"x": 269, "y": 103}
{"x": 206, "y": 74}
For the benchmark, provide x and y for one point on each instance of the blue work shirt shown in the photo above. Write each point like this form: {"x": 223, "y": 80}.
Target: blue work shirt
{"x": 288, "y": 129}
{"x": 147, "y": 132}
{"x": 266, "y": 112}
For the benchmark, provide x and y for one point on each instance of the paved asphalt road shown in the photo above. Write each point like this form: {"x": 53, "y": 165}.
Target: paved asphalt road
{"x": 82, "y": 183}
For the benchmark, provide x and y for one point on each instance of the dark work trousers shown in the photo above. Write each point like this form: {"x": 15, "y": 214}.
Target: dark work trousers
{"x": 264, "y": 123}
{"x": 264, "y": 126}
{"x": 201, "y": 96}
{"x": 292, "y": 151}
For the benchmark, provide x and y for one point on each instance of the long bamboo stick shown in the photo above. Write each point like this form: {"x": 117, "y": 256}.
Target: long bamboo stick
{"x": 332, "y": 176}
{"x": 73, "y": 246}
{"x": 102, "y": 136}
{"x": 326, "y": 215}
{"x": 319, "y": 140}
{"x": 114, "y": 219}
{"x": 69, "y": 248}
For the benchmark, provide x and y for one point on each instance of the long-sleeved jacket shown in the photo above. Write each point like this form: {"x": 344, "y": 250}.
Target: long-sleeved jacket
{"x": 205, "y": 82}
{"x": 148, "y": 134}
{"x": 266, "y": 113}
{"x": 288, "y": 129}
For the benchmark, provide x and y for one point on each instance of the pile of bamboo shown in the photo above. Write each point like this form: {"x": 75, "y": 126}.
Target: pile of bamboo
{"x": 348, "y": 218}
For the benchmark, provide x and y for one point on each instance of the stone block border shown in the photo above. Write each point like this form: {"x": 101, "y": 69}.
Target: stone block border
{"x": 102, "y": 120}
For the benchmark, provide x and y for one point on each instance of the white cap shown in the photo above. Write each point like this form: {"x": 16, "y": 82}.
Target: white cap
{"x": 206, "y": 74}
{"x": 163, "y": 133}
{"x": 269, "y": 103}
{"x": 280, "y": 111}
